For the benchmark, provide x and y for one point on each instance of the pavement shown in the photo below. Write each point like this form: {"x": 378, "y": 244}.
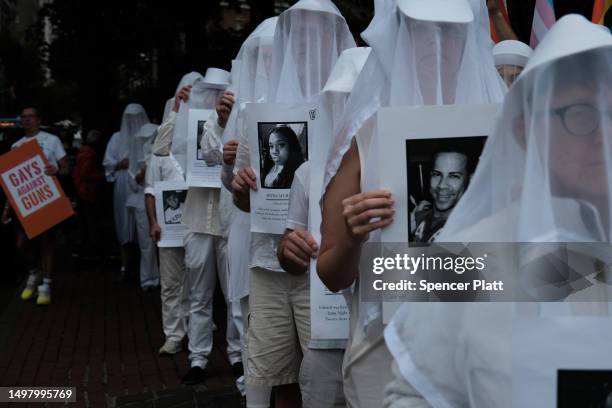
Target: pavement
{"x": 102, "y": 337}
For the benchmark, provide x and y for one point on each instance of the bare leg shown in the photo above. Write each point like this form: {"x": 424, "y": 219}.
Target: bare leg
{"x": 288, "y": 396}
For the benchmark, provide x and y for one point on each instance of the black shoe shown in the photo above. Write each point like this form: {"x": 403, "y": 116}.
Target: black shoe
{"x": 194, "y": 376}
{"x": 238, "y": 370}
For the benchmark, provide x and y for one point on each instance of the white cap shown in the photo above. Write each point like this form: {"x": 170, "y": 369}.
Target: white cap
{"x": 147, "y": 130}
{"x": 572, "y": 34}
{"x": 438, "y": 11}
{"x": 216, "y": 78}
{"x": 347, "y": 69}
{"x": 512, "y": 52}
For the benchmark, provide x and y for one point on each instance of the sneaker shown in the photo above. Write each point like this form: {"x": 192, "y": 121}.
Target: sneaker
{"x": 31, "y": 284}
{"x": 170, "y": 347}
{"x": 44, "y": 295}
{"x": 194, "y": 376}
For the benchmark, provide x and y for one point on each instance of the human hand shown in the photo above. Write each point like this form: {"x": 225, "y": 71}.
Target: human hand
{"x": 298, "y": 247}
{"x": 181, "y": 95}
{"x": 140, "y": 176}
{"x": 244, "y": 181}
{"x": 155, "y": 232}
{"x": 229, "y": 152}
{"x": 6, "y": 215}
{"x": 50, "y": 170}
{"x": 224, "y": 107}
{"x": 122, "y": 165}
{"x": 359, "y": 211}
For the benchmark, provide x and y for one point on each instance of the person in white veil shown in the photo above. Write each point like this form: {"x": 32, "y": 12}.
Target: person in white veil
{"x": 321, "y": 370}
{"x": 250, "y": 73}
{"x": 423, "y": 53}
{"x": 543, "y": 177}
{"x": 511, "y": 56}
{"x": 116, "y": 163}
{"x": 140, "y": 148}
{"x": 187, "y": 80}
{"x": 308, "y": 40}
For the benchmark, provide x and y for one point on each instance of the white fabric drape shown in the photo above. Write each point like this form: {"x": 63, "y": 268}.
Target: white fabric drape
{"x": 309, "y": 38}
{"x": 544, "y": 176}
{"x": 252, "y": 64}
{"x": 133, "y": 118}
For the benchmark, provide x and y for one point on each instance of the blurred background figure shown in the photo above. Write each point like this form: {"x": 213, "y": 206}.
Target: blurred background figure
{"x": 88, "y": 175}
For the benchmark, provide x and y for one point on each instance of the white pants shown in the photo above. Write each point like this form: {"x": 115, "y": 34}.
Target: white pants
{"x": 149, "y": 271}
{"x": 174, "y": 294}
{"x": 204, "y": 252}
{"x": 321, "y": 379}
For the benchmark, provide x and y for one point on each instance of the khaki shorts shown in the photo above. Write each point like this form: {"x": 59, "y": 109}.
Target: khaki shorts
{"x": 278, "y": 326}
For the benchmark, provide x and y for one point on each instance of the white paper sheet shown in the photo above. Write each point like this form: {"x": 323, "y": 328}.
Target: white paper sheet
{"x": 199, "y": 172}
{"x": 169, "y": 202}
{"x": 408, "y": 138}
{"x": 265, "y": 123}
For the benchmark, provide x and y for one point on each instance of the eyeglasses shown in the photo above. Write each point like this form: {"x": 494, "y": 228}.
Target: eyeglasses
{"x": 581, "y": 119}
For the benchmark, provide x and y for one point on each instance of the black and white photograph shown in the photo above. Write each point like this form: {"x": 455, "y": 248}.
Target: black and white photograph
{"x": 283, "y": 147}
{"x": 439, "y": 172}
{"x": 173, "y": 206}
{"x": 584, "y": 388}
{"x": 201, "y": 124}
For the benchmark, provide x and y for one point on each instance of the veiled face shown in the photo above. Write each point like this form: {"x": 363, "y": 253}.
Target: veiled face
{"x": 580, "y": 132}
{"x": 509, "y": 73}
{"x": 312, "y": 42}
{"x": 438, "y": 50}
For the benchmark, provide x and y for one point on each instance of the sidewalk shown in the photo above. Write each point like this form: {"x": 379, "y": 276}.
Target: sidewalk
{"x": 102, "y": 337}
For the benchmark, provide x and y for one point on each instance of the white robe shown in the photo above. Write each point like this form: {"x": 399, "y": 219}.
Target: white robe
{"x": 124, "y": 223}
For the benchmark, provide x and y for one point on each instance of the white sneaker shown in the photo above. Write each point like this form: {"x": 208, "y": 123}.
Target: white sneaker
{"x": 170, "y": 347}
{"x": 44, "y": 295}
{"x": 29, "y": 291}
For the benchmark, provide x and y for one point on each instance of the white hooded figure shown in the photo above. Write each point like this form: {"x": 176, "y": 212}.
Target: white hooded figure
{"x": 250, "y": 74}
{"x": 511, "y": 56}
{"x": 543, "y": 177}
{"x": 140, "y": 151}
{"x": 309, "y": 38}
{"x": 424, "y": 52}
{"x": 187, "y": 79}
{"x": 116, "y": 162}
{"x": 204, "y": 94}
{"x": 321, "y": 379}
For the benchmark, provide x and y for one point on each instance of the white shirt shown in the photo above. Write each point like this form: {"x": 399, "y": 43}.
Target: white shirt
{"x": 298, "y": 198}
{"x": 50, "y": 144}
{"x": 161, "y": 168}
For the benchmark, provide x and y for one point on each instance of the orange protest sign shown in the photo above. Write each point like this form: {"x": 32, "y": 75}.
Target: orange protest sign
{"x": 37, "y": 199}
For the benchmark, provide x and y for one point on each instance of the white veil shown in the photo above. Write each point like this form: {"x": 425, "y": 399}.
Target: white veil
{"x": 253, "y": 64}
{"x": 309, "y": 38}
{"x": 391, "y": 76}
{"x": 187, "y": 79}
{"x": 544, "y": 176}
{"x": 416, "y": 62}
